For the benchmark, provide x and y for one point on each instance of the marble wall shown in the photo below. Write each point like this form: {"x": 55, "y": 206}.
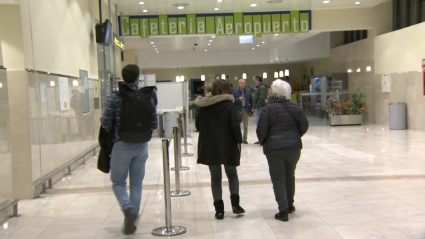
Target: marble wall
{"x": 58, "y": 136}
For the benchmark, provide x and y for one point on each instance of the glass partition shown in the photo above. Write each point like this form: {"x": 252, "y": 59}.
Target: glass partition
{"x": 60, "y": 129}
{"x": 5, "y": 154}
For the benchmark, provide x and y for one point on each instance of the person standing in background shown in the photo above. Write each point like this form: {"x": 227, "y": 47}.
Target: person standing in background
{"x": 243, "y": 100}
{"x": 259, "y": 98}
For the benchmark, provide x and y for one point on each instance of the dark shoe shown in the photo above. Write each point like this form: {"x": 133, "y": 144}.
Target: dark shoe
{"x": 219, "y": 209}
{"x": 245, "y": 142}
{"x": 237, "y": 209}
{"x": 257, "y": 143}
{"x": 281, "y": 216}
{"x": 291, "y": 209}
{"x": 130, "y": 219}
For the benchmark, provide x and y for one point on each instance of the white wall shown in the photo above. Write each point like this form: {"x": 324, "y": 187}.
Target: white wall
{"x": 12, "y": 48}
{"x": 400, "y": 51}
{"x": 317, "y": 46}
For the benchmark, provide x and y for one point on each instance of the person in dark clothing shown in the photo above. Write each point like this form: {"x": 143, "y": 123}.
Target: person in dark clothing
{"x": 154, "y": 96}
{"x": 219, "y": 142}
{"x": 259, "y": 98}
{"x": 243, "y": 99}
{"x": 281, "y": 125}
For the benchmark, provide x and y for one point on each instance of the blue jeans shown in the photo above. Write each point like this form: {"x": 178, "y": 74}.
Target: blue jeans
{"x": 128, "y": 158}
{"x": 257, "y": 115}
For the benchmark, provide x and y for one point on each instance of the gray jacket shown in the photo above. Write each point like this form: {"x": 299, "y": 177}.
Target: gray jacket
{"x": 260, "y": 96}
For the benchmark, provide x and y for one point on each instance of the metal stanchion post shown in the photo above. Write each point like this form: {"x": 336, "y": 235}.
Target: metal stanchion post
{"x": 169, "y": 229}
{"x": 177, "y": 163}
{"x": 185, "y": 131}
{"x": 185, "y": 154}
{"x": 178, "y": 149}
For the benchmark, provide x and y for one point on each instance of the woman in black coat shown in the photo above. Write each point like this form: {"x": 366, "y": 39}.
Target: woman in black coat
{"x": 281, "y": 125}
{"x": 219, "y": 142}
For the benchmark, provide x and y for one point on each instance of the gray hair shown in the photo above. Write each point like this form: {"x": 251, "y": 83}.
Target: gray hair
{"x": 281, "y": 88}
{"x": 241, "y": 80}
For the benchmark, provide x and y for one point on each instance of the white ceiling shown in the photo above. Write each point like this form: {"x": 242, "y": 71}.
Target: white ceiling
{"x": 132, "y": 7}
{"x": 8, "y": 2}
{"x": 185, "y": 43}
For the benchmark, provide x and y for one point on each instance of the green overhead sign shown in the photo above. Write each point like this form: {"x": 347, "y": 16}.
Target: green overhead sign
{"x": 256, "y": 24}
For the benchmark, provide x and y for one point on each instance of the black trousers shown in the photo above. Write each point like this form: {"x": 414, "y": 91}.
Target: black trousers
{"x": 232, "y": 176}
{"x": 282, "y": 164}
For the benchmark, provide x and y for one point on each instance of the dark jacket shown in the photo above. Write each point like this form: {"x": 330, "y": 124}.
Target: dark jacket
{"x": 106, "y": 143}
{"x": 219, "y": 131}
{"x": 260, "y": 96}
{"x": 248, "y": 98}
{"x": 277, "y": 128}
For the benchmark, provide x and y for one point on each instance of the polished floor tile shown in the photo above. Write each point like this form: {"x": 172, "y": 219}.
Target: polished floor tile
{"x": 352, "y": 182}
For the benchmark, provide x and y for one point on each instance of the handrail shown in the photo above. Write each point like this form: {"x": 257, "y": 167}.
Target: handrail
{"x": 13, "y": 203}
{"x": 48, "y": 178}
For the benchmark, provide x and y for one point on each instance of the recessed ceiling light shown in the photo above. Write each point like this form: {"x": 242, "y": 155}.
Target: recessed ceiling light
{"x": 219, "y": 0}
{"x": 253, "y": 48}
{"x": 156, "y": 49}
{"x": 145, "y": 10}
{"x": 141, "y": 2}
{"x": 209, "y": 44}
{"x": 258, "y": 45}
{"x": 263, "y": 42}
{"x": 153, "y": 46}
{"x": 210, "y": 40}
{"x": 205, "y": 49}
{"x": 326, "y": 1}
{"x": 180, "y": 7}
{"x": 213, "y": 36}
{"x": 276, "y": 34}
{"x": 152, "y": 42}
{"x": 253, "y": 5}
{"x": 358, "y": 3}
{"x": 216, "y": 9}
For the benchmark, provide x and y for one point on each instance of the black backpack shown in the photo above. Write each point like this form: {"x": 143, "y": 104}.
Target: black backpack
{"x": 135, "y": 114}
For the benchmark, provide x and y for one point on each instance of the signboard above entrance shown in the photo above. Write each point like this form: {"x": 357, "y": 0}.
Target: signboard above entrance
{"x": 226, "y": 24}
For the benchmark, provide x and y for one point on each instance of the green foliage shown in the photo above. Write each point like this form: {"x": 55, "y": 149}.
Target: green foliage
{"x": 336, "y": 106}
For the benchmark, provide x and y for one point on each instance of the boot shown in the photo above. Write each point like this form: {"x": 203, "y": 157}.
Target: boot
{"x": 219, "y": 209}
{"x": 235, "y": 204}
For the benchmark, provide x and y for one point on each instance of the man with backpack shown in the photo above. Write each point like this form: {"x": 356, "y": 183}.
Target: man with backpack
{"x": 131, "y": 116}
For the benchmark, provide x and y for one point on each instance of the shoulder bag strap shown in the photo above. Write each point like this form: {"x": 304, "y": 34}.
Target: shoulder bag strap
{"x": 287, "y": 110}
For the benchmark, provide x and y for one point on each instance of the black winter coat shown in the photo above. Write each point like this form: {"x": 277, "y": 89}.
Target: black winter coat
{"x": 220, "y": 135}
{"x": 277, "y": 128}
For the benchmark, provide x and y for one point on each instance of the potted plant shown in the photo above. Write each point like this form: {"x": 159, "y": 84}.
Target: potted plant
{"x": 346, "y": 112}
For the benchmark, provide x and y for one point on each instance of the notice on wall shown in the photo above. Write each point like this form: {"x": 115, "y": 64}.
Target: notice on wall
{"x": 43, "y": 92}
{"x": 150, "y": 80}
{"x": 63, "y": 93}
{"x": 96, "y": 89}
{"x": 386, "y": 83}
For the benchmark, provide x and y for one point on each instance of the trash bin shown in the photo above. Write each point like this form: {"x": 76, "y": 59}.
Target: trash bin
{"x": 398, "y": 116}
{"x": 170, "y": 121}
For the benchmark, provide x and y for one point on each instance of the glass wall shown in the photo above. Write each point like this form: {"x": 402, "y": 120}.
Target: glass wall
{"x": 5, "y": 154}
{"x": 60, "y": 128}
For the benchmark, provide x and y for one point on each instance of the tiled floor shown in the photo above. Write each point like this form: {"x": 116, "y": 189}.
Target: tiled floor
{"x": 352, "y": 182}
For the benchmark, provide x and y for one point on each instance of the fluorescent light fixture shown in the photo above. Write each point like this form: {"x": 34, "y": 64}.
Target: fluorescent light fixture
{"x": 246, "y": 39}
{"x": 244, "y": 76}
{"x": 349, "y": 70}
{"x": 281, "y": 74}
{"x": 52, "y": 83}
{"x": 326, "y": 1}
{"x": 1, "y": 85}
{"x": 357, "y": 3}
{"x": 177, "y": 78}
{"x": 216, "y": 9}
{"x": 286, "y": 72}
{"x": 223, "y": 76}
{"x": 253, "y": 5}
{"x": 144, "y": 10}
{"x": 276, "y": 74}
{"x": 180, "y": 7}
{"x": 368, "y": 68}
{"x": 75, "y": 82}
{"x": 202, "y": 77}
{"x": 141, "y": 2}
{"x": 359, "y": 70}
{"x": 182, "y": 78}
{"x": 264, "y": 75}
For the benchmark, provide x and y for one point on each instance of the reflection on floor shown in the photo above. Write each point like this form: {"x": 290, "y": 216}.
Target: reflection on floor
{"x": 352, "y": 182}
